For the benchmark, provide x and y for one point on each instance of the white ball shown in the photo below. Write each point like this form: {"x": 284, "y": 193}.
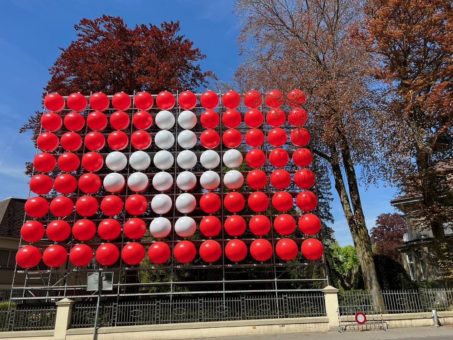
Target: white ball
{"x": 187, "y": 139}
{"x": 116, "y": 161}
{"x": 186, "y": 180}
{"x": 162, "y": 181}
{"x": 187, "y": 119}
{"x": 161, "y": 204}
{"x": 210, "y": 180}
{"x": 233, "y": 179}
{"x": 163, "y": 160}
{"x": 232, "y": 158}
{"x": 210, "y": 159}
{"x": 165, "y": 120}
{"x": 185, "y": 226}
{"x": 160, "y": 227}
{"x": 139, "y": 160}
{"x": 186, "y": 203}
{"x": 186, "y": 159}
{"x": 164, "y": 139}
{"x": 137, "y": 181}
{"x": 114, "y": 182}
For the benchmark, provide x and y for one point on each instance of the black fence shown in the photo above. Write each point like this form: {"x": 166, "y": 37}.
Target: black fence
{"x": 27, "y": 317}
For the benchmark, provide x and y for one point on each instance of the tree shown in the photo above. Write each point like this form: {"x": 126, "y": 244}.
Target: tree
{"x": 387, "y": 235}
{"x": 346, "y": 265}
{"x": 307, "y": 44}
{"x": 412, "y": 44}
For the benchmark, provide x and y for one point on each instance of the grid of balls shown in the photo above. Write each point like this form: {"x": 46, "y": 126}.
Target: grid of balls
{"x": 111, "y": 168}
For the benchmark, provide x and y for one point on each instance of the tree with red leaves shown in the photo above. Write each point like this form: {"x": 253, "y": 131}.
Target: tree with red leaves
{"x": 387, "y": 235}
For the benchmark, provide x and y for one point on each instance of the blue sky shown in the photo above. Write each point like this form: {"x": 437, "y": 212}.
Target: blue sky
{"x": 31, "y": 33}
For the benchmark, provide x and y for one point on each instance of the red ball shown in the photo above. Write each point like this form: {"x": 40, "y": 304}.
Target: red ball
{"x": 258, "y": 201}
{"x": 232, "y": 138}
{"x": 80, "y": 255}
{"x": 87, "y": 206}
{"x": 234, "y": 202}
{"x": 41, "y": 184}
{"x": 252, "y": 99}
{"x": 54, "y": 102}
{"x": 142, "y": 120}
{"x": 254, "y": 137}
{"x": 278, "y": 157}
{"x": 304, "y": 178}
{"x": 210, "y": 251}
{"x": 184, "y": 252}
{"x": 47, "y": 141}
{"x": 256, "y": 179}
{"x": 276, "y": 137}
{"x": 65, "y": 184}
{"x": 159, "y": 253}
{"x": 286, "y": 249}
{"x": 210, "y": 203}
{"x": 143, "y": 101}
{"x": 260, "y": 225}
{"x": 68, "y": 162}
{"x": 275, "y": 117}
{"x": 71, "y": 141}
{"x": 136, "y": 205}
{"x": 236, "y": 250}
{"x": 94, "y": 141}
{"x": 111, "y": 205}
{"x": 297, "y": 117}
{"x": 209, "y": 119}
{"x": 253, "y": 118}
{"x": 231, "y": 99}
{"x": 117, "y": 140}
{"x": 36, "y": 207}
{"x": 307, "y": 201}
{"x": 255, "y": 158}
{"x": 209, "y": 99}
{"x": 32, "y": 231}
{"x": 231, "y": 118}
{"x": 309, "y": 224}
{"x": 77, "y": 101}
{"x": 210, "y": 226}
{"x": 134, "y": 228}
{"x": 302, "y": 157}
{"x": 300, "y": 137}
{"x": 92, "y": 161}
{"x": 210, "y": 139}
{"x": 58, "y": 230}
{"x": 109, "y": 229}
{"x": 235, "y": 225}
{"x": 97, "y": 121}
{"x": 133, "y": 253}
{"x": 61, "y": 206}
{"x": 187, "y": 100}
{"x": 312, "y": 249}
{"x": 74, "y": 121}
{"x": 261, "y": 250}
{"x": 282, "y": 201}
{"x": 84, "y": 230}
{"x": 28, "y": 257}
{"x": 141, "y": 140}
{"x": 89, "y": 183}
{"x": 165, "y": 100}
{"x": 280, "y": 179}
{"x": 107, "y": 254}
{"x": 99, "y": 101}
{"x": 274, "y": 98}
{"x": 284, "y": 224}
{"x": 121, "y": 101}
{"x": 44, "y": 162}
{"x": 296, "y": 98}
{"x": 119, "y": 120}
{"x": 51, "y": 121}
{"x": 54, "y": 256}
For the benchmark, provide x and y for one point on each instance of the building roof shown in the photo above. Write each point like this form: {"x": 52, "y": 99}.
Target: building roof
{"x": 11, "y": 216}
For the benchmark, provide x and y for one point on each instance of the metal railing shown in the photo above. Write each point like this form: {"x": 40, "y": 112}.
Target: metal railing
{"x": 26, "y": 317}
{"x": 201, "y": 309}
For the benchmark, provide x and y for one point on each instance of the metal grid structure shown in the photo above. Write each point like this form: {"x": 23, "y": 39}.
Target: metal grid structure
{"x": 175, "y": 279}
